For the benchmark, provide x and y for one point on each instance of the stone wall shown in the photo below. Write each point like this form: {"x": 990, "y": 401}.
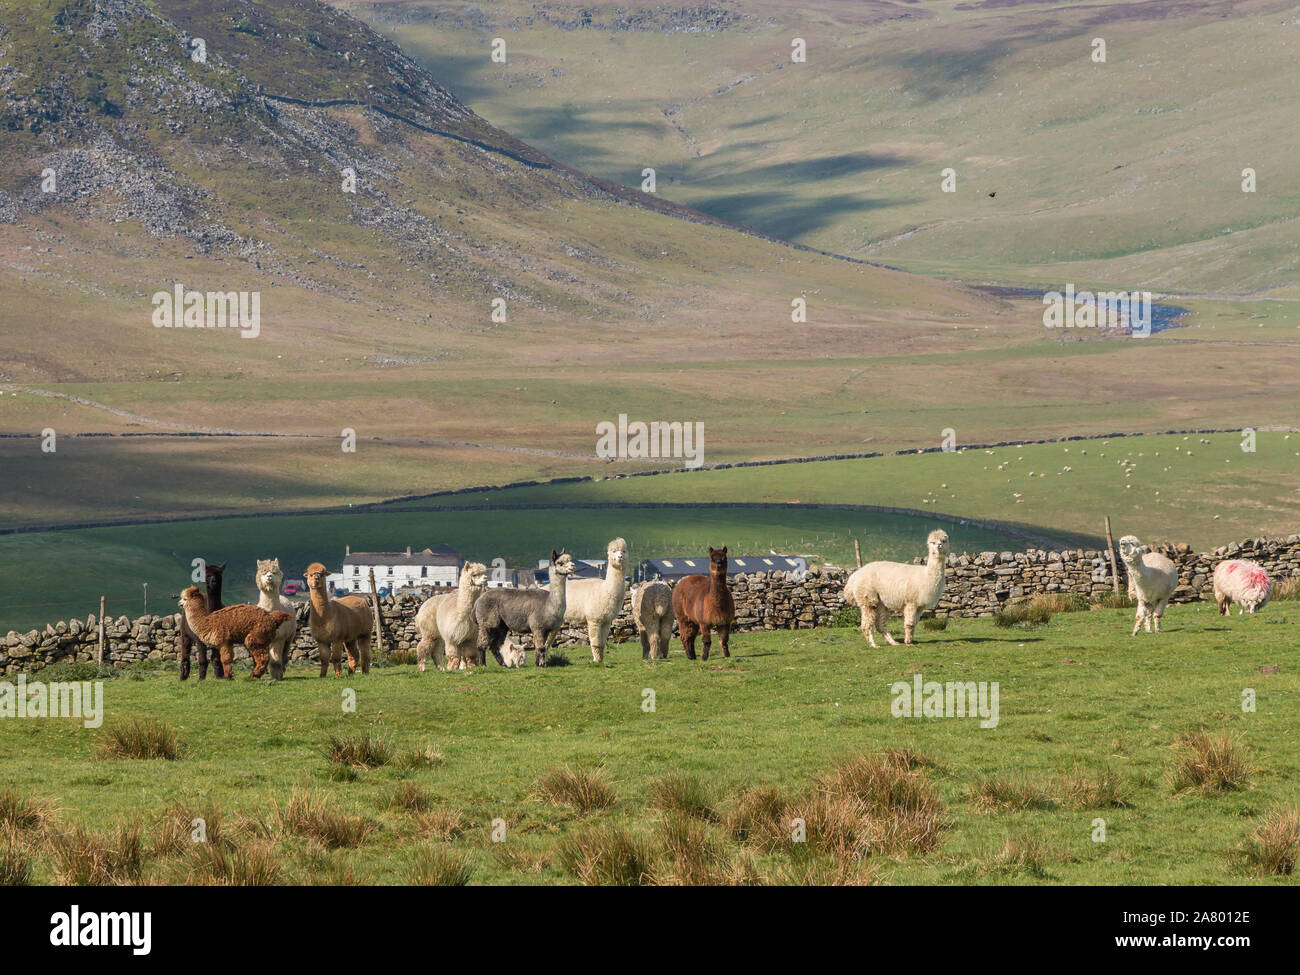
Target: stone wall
{"x": 977, "y": 585}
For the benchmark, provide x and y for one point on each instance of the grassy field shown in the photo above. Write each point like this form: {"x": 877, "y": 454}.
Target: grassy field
{"x": 1090, "y": 726}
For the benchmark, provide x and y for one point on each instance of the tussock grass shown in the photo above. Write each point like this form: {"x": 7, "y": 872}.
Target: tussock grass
{"x": 23, "y": 813}
{"x": 443, "y": 823}
{"x": 1212, "y": 763}
{"x": 1028, "y": 855}
{"x": 437, "y": 866}
{"x": 409, "y": 797}
{"x": 519, "y": 857}
{"x": 582, "y": 789}
{"x": 934, "y": 624}
{"x": 1113, "y": 600}
{"x": 683, "y": 793}
{"x": 402, "y": 658}
{"x": 1001, "y": 793}
{"x": 85, "y": 859}
{"x": 359, "y": 752}
{"x": 1286, "y": 590}
{"x": 223, "y": 863}
{"x": 825, "y": 872}
{"x": 697, "y": 860}
{"x": 146, "y": 738}
{"x": 16, "y": 868}
{"x": 311, "y": 816}
{"x": 1273, "y": 847}
{"x": 608, "y": 855}
{"x": 1098, "y": 790}
{"x": 1023, "y": 612}
{"x": 756, "y": 814}
{"x": 1061, "y": 602}
{"x": 426, "y": 756}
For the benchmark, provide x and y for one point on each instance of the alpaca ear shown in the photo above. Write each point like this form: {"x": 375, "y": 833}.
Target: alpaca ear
{"x": 555, "y": 556}
{"x": 221, "y": 567}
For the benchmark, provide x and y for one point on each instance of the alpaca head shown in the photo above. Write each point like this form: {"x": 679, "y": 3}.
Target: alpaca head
{"x": 617, "y": 553}
{"x": 212, "y": 574}
{"x": 561, "y": 563}
{"x": 512, "y": 653}
{"x": 1131, "y": 549}
{"x": 937, "y": 544}
{"x": 269, "y": 577}
{"x": 316, "y": 577}
{"x": 474, "y": 577}
{"x": 192, "y": 598}
{"x": 718, "y": 560}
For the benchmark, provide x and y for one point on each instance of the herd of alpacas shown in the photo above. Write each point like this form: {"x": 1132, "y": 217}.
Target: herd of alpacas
{"x": 459, "y": 628}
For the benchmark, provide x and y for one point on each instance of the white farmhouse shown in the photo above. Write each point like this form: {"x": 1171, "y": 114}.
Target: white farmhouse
{"x": 437, "y": 566}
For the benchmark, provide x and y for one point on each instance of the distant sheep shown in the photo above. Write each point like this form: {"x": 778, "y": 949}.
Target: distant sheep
{"x": 1152, "y": 579}
{"x": 652, "y": 611}
{"x": 881, "y": 588}
{"x": 1243, "y": 582}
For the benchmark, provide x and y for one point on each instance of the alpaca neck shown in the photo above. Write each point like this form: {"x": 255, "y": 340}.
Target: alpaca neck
{"x": 717, "y": 583}
{"x": 556, "y": 600}
{"x": 268, "y": 598}
{"x": 320, "y": 603}
{"x": 614, "y": 580}
{"x": 196, "y": 616}
{"x": 465, "y": 599}
{"x": 214, "y": 593}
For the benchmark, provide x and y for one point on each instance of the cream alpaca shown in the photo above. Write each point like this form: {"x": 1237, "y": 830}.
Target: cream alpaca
{"x": 652, "y": 611}
{"x": 337, "y": 624}
{"x": 1151, "y": 580}
{"x": 269, "y": 579}
{"x": 1243, "y": 582}
{"x": 881, "y": 588}
{"x": 446, "y": 624}
{"x": 597, "y": 602}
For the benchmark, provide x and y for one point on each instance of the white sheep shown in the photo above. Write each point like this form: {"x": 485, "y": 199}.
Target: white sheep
{"x": 1152, "y": 579}
{"x": 1243, "y": 582}
{"x": 597, "y": 602}
{"x": 881, "y": 588}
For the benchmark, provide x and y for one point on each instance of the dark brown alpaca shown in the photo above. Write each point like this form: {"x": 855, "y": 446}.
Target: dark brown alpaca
{"x": 212, "y": 577}
{"x": 703, "y": 604}
{"x": 250, "y": 625}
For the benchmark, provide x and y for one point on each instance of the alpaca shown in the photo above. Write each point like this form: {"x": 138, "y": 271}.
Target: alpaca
{"x": 652, "y": 611}
{"x": 597, "y": 602}
{"x": 269, "y": 578}
{"x": 212, "y": 580}
{"x": 337, "y": 624}
{"x": 1151, "y": 580}
{"x": 512, "y": 654}
{"x": 881, "y": 588}
{"x": 1243, "y": 582}
{"x": 703, "y": 604}
{"x": 250, "y": 625}
{"x": 540, "y": 612}
{"x": 446, "y": 624}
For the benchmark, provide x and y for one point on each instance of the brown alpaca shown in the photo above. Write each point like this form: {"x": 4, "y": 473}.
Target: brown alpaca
{"x": 703, "y": 603}
{"x": 337, "y": 624}
{"x": 255, "y": 628}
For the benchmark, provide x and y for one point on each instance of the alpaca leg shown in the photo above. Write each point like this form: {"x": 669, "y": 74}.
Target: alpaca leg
{"x": 185, "y": 655}
{"x": 539, "y": 655}
{"x": 422, "y": 652}
{"x": 645, "y": 645}
{"x": 909, "y": 623}
{"x": 336, "y": 658}
{"x": 687, "y": 630}
{"x": 1137, "y": 620}
{"x": 218, "y": 669}
{"x": 227, "y": 661}
{"x": 725, "y": 633}
{"x": 706, "y": 635}
{"x": 882, "y": 624}
{"x": 354, "y": 658}
{"x": 665, "y": 638}
{"x": 869, "y": 624}
{"x": 363, "y": 645}
{"x": 323, "y": 651}
{"x": 596, "y": 637}
{"x": 261, "y": 658}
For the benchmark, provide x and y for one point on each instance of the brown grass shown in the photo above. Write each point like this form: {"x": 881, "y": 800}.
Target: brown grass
{"x": 697, "y": 860}
{"x": 359, "y": 752}
{"x": 311, "y": 816}
{"x": 1274, "y": 845}
{"x": 145, "y": 738}
{"x": 15, "y": 863}
{"x": 84, "y": 859}
{"x": 437, "y": 866}
{"x": 757, "y": 815}
{"x": 608, "y": 855}
{"x": 1212, "y": 763}
{"x": 1001, "y": 793}
{"x": 683, "y": 793}
{"x": 443, "y": 823}
{"x": 1286, "y": 590}
{"x": 1096, "y": 790}
{"x": 226, "y": 864}
{"x": 582, "y": 789}
{"x": 410, "y": 798}
{"x": 23, "y": 813}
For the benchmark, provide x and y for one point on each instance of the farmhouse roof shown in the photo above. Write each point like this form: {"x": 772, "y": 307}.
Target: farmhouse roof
{"x": 736, "y": 565}
{"x": 437, "y": 555}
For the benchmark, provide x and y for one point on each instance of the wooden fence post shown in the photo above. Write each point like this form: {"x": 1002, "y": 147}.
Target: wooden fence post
{"x": 379, "y": 625}
{"x": 101, "y": 631}
{"x": 1110, "y": 553}
{"x": 857, "y": 551}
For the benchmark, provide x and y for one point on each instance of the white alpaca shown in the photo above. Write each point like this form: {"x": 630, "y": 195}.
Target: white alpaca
{"x": 512, "y": 654}
{"x": 597, "y": 602}
{"x": 652, "y": 611}
{"x": 269, "y": 578}
{"x": 446, "y": 624}
{"x": 1152, "y": 579}
{"x": 1243, "y": 582}
{"x": 881, "y": 588}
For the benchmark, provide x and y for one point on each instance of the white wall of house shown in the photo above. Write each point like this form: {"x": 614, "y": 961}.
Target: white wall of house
{"x": 356, "y": 578}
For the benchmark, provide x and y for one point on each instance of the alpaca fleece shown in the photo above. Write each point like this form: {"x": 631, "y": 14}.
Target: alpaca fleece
{"x": 499, "y": 612}
{"x": 597, "y": 602}
{"x": 189, "y": 639}
{"x": 652, "y": 611}
{"x": 446, "y": 624}
{"x": 703, "y": 604}
{"x": 1152, "y": 579}
{"x": 338, "y": 624}
{"x": 1241, "y": 581}
{"x": 881, "y": 588}
{"x": 245, "y": 623}
{"x": 269, "y": 580}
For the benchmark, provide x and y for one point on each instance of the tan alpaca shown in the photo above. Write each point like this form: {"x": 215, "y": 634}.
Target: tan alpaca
{"x": 446, "y": 622}
{"x": 337, "y": 624}
{"x": 269, "y": 579}
{"x": 250, "y": 625}
{"x": 596, "y": 602}
{"x": 652, "y": 611}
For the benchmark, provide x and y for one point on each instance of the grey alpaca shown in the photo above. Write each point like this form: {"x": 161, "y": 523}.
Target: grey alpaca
{"x": 537, "y": 611}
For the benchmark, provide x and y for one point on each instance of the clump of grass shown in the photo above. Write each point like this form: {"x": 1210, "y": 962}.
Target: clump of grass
{"x": 1114, "y": 600}
{"x": 444, "y": 823}
{"x": 1061, "y": 602}
{"x": 756, "y": 815}
{"x": 845, "y": 617}
{"x": 362, "y": 751}
{"x": 225, "y": 864}
{"x": 683, "y": 793}
{"x": 697, "y": 860}
{"x": 402, "y": 658}
{"x": 825, "y": 872}
{"x": 934, "y": 624}
{"x": 311, "y": 816}
{"x": 1212, "y": 763}
{"x": 1102, "y": 790}
{"x": 15, "y": 865}
{"x": 437, "y": 866}
{"x": 410, "y": 798}
{"x": 83, "y": 859}
{"x": 146, "y": 738}
{"x": 557, "y": 658}
{"x": 426, "y": 756}
{"x": 1001, "y": 793}
{"x": 521, "y": 858}
{"x": 582, "y": 789}
{"x": 1023, "y": 855}
{"x": 1023, "y": 612}
{"x": 22, "y": 813}
{"x": 1274, "y": 846}
{"x": 1286, "y": 590}
{"x": 608, "y": 855}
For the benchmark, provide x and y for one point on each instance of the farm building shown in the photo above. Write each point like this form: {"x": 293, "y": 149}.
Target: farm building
{"x": 436, "y": 566}
{"x": 669, "y": 570}
{"x": 583, "y": 569}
